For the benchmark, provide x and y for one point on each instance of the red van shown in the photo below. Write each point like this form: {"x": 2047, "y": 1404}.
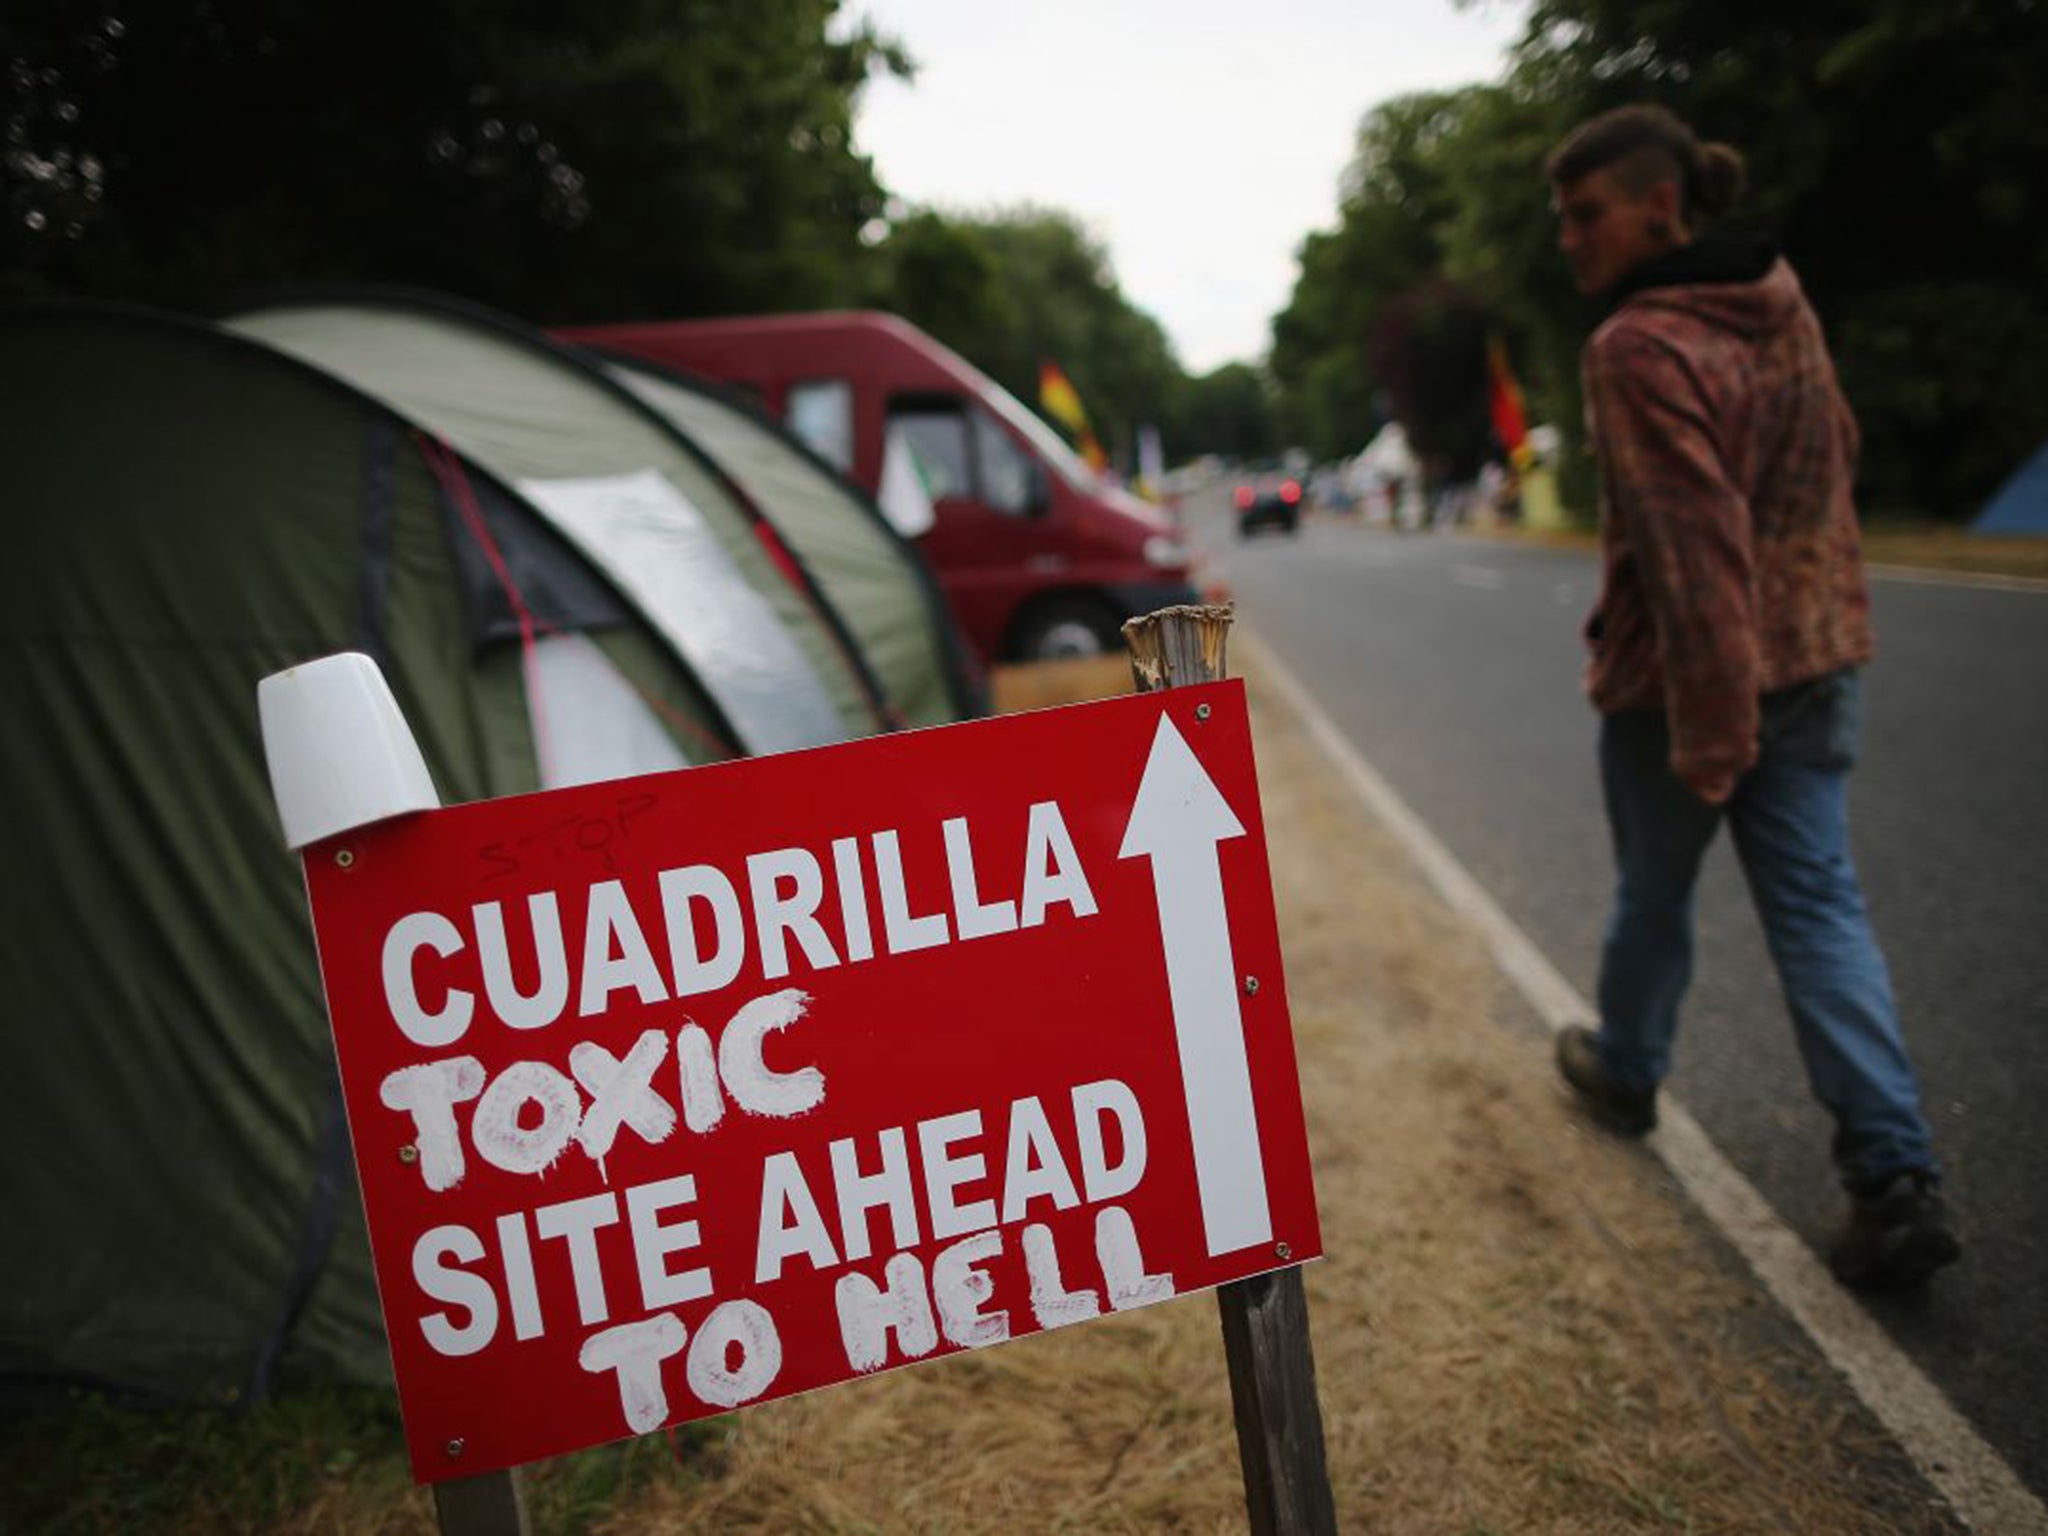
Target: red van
{"x": 1038, "y": 557}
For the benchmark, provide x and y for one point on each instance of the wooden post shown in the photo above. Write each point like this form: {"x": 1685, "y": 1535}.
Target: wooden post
{"x": 1265, "y": 1319}
{"x": 341, "y": 756}
{"x": 490, "y": 1505}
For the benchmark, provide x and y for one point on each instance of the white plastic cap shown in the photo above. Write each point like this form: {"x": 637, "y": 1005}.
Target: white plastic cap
{"x": 341, "y": 755}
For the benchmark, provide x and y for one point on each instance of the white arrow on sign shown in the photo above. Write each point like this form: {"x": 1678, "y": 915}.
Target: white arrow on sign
{"x": 1177, "y": 820}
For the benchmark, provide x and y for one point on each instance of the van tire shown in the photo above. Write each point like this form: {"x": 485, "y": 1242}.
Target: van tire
{"x": 1067, "y": 627}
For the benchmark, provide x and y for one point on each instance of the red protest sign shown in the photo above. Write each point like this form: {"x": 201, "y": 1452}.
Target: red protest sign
{"x": 680, "y": 1093}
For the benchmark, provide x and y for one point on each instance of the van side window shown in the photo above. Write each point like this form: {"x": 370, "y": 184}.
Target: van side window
{"x": 937, "y": 431}
{"x": 820, "y": 413}
{"x": 1005, "y": 471}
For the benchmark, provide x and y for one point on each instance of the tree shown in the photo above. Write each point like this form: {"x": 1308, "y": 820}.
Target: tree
{"x": 1229, "y": 412}
{"x": 595, "y": 161}
{"x": 942, "y": 275}
{"x": 1429, "y": 347}
{"x": 1373, "y": 326}
{"x": 1896, "y": 150}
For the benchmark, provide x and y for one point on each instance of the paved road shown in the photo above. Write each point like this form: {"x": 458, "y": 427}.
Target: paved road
{"x": 1453, "y": 664}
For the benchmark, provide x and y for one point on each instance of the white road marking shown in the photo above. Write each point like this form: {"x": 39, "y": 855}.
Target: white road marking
{"x": 1949, "y": 1453}
{"x": 1484, "y": 577}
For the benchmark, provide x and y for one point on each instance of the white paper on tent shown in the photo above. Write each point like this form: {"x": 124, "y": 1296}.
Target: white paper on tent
{"x": 905, "y": 498}
{"x": 649, "y": 538}
{"x": 590, "y": 722}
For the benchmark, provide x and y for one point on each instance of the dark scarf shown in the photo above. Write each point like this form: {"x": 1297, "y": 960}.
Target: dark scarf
{"x": 1709, "y": 259}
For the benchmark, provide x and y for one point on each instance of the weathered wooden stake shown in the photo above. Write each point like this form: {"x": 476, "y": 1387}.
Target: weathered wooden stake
{"x": 341, "y": 756}
{"x": 1265, "y": 1319}
{"x": 490, "y": 1505}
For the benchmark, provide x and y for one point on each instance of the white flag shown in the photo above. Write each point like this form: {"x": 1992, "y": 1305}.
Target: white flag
{"x": 905, "y": 499}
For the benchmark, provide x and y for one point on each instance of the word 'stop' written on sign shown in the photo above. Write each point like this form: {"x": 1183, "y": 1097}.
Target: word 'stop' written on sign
{"x": 677, "y": 1094}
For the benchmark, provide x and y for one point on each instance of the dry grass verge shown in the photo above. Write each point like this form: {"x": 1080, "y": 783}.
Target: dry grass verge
{"x": 1955, "y": 549}
{"x": 1048, "y": 683}
{"x": 1909, "y": 546}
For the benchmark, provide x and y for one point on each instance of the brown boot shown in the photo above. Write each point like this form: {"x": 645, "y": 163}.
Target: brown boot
{"x": 1896, "y": 1237}
{"x": 1626, "y": 1111}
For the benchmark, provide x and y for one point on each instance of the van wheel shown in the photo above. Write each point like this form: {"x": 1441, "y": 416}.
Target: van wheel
{"x": 1066, "y": 628}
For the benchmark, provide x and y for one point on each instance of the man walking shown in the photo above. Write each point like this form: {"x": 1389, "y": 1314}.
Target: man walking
{"x": 1732, "y": 617}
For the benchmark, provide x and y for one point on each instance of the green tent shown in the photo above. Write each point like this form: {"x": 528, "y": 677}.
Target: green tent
{"x": 868, "y": 570}
{"x": 190, "y": 511}
{"x": 620, "y": 482}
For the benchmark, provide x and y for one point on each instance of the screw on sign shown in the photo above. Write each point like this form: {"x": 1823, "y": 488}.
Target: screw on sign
{"x": 831, "y": 1062}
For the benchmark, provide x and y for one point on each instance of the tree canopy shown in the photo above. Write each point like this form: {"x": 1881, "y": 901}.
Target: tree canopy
{"x": 1227, "y": 411}
{"x": 1894, "y": 150}
{"x": 590, "y": 161}
{"x": 608, "y": 160}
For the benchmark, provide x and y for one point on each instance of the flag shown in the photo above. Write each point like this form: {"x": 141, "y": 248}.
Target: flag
{"x": 1063, "y": 403}
{"x": 1504, "y": 404}
{"x": 905, "y": 496}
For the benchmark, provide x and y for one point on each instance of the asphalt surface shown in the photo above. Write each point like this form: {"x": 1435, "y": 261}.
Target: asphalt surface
{"x": 1453, "y": 664}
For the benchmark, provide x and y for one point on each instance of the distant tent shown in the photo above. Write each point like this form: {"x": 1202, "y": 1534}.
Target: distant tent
{"x": 2021, "y": 505}
{"x": 187, "y": 512}
{"x": 693, "y": 555}
{"x": 871, "y": 573}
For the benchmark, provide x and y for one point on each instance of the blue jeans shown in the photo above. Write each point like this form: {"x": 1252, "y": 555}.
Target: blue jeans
{"x": 1789, "y": 818}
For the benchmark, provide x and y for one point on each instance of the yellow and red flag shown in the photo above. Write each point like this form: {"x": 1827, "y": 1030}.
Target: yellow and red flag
{"x": 1504, "y": 403}
{"x": 1062, "y": 402}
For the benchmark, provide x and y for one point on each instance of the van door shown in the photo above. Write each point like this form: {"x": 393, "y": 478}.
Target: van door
{"x": 990, "y": 543}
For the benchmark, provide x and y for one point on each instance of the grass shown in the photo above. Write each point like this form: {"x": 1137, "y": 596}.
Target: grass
{"x": 321, "y": 1459}
{"x": 1912, "y": 545}
{"x": 94, "y": 1467}
{"x": 1518, "y": 1328}
{"x": 1930, "y": 546}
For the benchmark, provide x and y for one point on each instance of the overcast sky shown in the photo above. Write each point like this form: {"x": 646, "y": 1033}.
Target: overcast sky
{"x": 1199, "y": 140}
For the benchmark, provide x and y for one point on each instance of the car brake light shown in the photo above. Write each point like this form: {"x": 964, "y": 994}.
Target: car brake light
{"x": 1244, "y": 496}
{"x": 1290, "y": 493}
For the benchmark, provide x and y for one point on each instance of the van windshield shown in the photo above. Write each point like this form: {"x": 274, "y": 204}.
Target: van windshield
{"x": 1050, "y": 447}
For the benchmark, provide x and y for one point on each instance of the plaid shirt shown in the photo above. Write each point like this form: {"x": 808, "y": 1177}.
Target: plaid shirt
{"x": 1732, "y": 565}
